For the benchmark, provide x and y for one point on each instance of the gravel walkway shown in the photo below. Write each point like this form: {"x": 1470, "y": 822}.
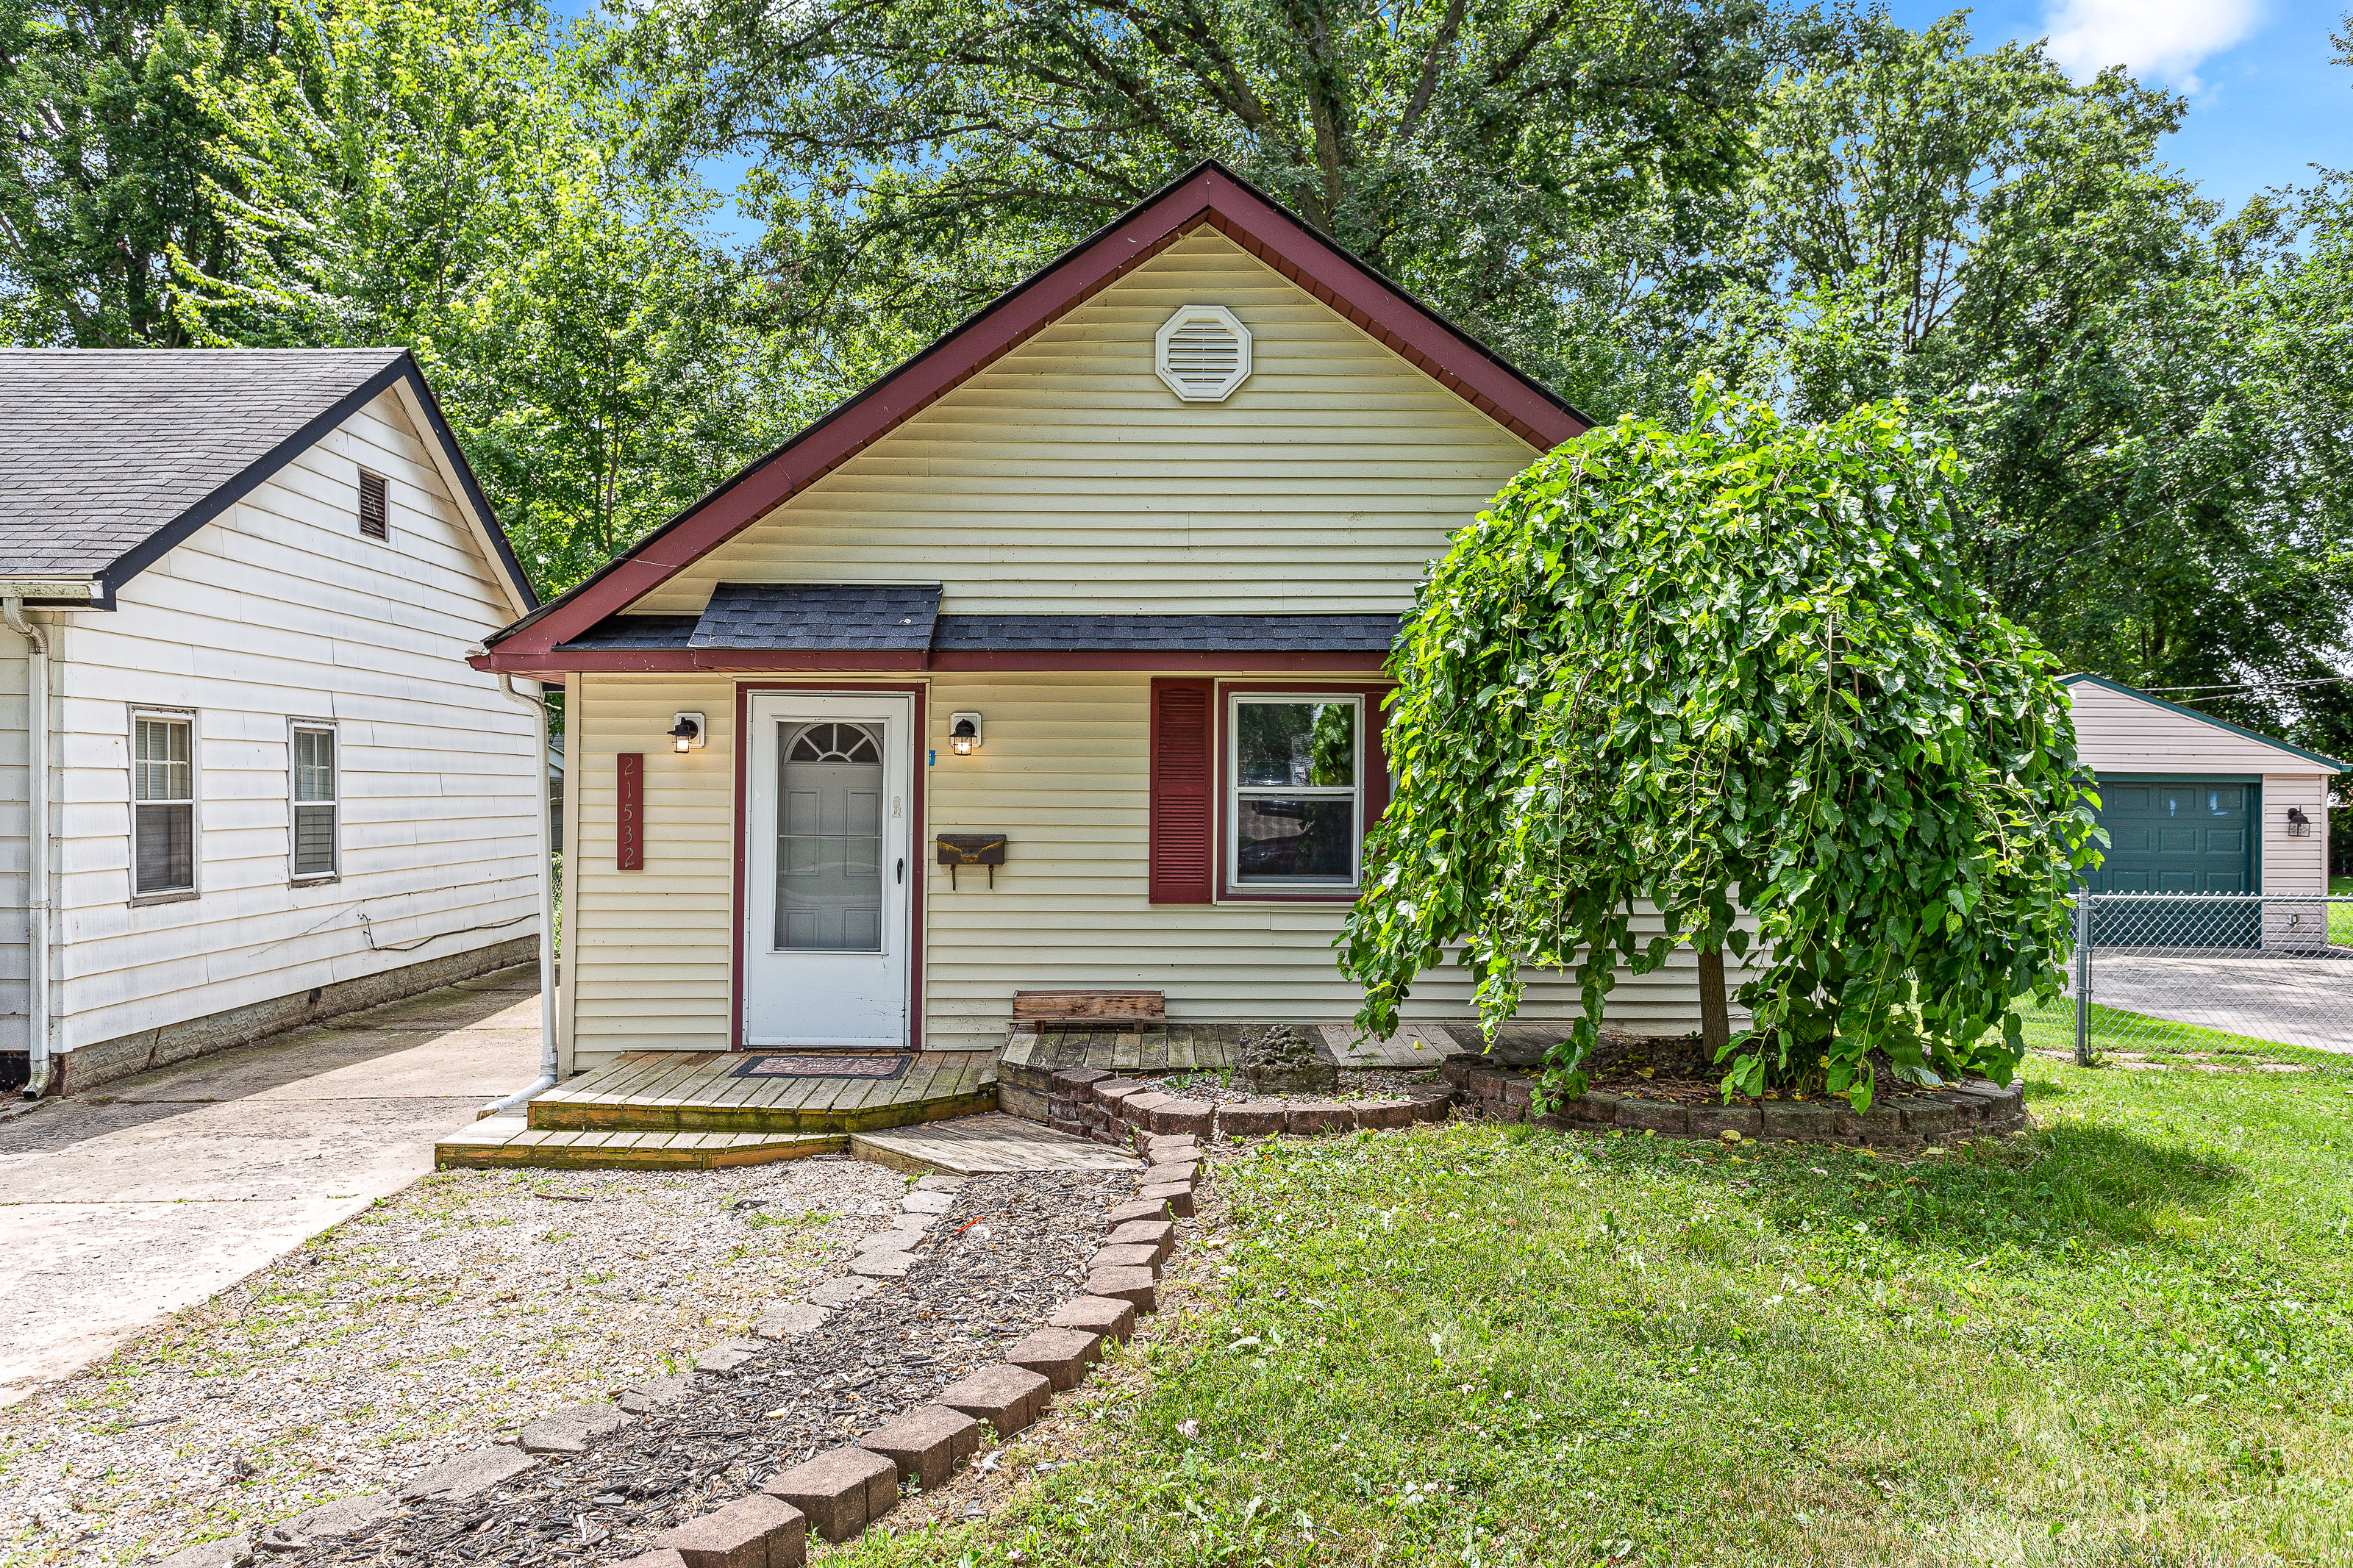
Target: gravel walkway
{"x": 426, "y": 1326}
{"x": 1006, "y": 1252}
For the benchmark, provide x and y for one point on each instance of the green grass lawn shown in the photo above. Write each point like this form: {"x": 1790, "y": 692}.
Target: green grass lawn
{"x": 2113, "y": 1033}
{"x": 2123, "y": 1338}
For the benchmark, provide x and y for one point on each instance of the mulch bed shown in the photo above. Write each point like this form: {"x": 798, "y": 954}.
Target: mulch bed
{"x": 1678, "y": 1071}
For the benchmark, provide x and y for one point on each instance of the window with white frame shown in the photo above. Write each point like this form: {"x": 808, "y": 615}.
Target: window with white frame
{"x": 162, "y": 804}
{"x": 317, "y": 802}
{"x": 1295, "y": 781}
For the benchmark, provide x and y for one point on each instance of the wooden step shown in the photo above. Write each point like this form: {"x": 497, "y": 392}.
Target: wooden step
{"x": 502, "y": 1142}
{"x": 697, "y": 1092}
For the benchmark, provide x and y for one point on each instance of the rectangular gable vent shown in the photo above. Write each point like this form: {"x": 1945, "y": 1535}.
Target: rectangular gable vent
{"x": 375, "y": 510}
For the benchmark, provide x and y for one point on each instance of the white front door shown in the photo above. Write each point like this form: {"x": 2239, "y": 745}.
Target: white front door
{"x": 828, "y": 869}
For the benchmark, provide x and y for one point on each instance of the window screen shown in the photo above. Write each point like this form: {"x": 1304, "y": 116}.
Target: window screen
{"x": 375, "y": 510}
{"x": 1294, "y": 803}
{"x": 163, "y": 806}
{"x": 314, "y": 802}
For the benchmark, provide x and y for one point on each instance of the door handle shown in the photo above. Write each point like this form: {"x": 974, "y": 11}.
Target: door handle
{"x": 902, "y": 867}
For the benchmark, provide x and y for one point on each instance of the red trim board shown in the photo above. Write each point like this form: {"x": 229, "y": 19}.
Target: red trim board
{"x": 557, "y": 663}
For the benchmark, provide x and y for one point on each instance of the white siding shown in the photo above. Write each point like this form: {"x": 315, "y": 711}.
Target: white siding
{"x": 279, "y": 609}
{"x": 1066, "y": 478}
{"x": 1064, "y": 775}
{"x": 2296, "y": 865}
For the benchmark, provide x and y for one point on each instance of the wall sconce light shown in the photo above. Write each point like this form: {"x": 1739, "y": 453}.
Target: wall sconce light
{"x": 687, "y": 731}
{"x": 964, "y": 733}
{"x": 2298, "y": 825}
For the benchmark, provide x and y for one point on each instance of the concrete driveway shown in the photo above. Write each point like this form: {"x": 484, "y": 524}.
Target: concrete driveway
{"x": 2298, "y": 1000}
{"x": 121, "y": 1206}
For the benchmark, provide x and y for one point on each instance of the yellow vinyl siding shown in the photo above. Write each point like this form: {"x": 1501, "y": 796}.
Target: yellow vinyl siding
{"x": 1064, "y": 776}
{"x": 1065, "y": 478}
{"x": 648, "y": 953}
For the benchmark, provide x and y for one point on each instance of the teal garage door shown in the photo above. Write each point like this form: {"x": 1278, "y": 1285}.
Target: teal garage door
{"x": 2185, "y": 837}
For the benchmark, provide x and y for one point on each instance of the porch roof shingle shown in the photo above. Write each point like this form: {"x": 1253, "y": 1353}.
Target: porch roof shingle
{"x": 794, "y": 618}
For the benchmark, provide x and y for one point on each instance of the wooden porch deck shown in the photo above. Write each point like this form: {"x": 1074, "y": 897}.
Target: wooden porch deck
{"x": 686, "y": 1109}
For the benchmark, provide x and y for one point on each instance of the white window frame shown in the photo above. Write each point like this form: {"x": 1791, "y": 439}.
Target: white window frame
{"x": 1229, "y": 771}
{"x": 194, "y": 803}
{"x": 295, "y": 803}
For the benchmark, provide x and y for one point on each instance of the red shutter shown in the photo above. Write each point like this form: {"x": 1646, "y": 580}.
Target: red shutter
{"x": 1183, "y": 776}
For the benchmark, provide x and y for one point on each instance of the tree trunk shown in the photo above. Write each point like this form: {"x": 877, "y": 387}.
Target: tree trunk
{"x": 1714, "y": 1012}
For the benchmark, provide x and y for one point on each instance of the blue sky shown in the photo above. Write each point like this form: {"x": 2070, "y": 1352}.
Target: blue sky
{"x": 2266, "y": 99}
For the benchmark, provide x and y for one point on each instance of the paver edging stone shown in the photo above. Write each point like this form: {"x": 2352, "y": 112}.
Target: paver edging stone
{"x": 1969, "y": 1109}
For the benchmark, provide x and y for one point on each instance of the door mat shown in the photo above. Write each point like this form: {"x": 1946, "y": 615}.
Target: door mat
{"x": 894, "y": 1065}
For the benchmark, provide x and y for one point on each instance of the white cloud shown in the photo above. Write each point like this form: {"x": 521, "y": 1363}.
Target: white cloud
{"x": 2168, "y": 40}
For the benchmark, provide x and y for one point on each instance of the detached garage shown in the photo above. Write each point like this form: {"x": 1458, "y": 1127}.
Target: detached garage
{"x": 2193, "y": 805}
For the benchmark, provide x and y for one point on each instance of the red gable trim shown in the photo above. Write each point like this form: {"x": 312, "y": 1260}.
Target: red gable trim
{"x": 1212, "y": 195}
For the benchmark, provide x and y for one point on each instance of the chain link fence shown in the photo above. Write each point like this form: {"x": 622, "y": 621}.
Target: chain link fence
{"x": 2205, "y": 977}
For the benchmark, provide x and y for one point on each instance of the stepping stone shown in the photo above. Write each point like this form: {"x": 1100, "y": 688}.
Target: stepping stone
{"x": 841, "y": 1491}
{"x": 1104, "y": 1315}
{"x": 790, "y": 1320}
{"x": 1007, "y": 1397}
{"x": 881, "y": 1264}
{"x": 1135, "y": 1286}
{"x": 1139, "y": 1208}
{"x": 927, "y": 1443}
{"x": 939, "y": 1184}
{"x": 339, "y": 1517}
{"x": 1178, "y": 1197}
{"x": 653, "y": 1392}
{"x": 477, "y": 1469}
{"x": 754, "y": 1532}
{"x": 1157, "y": 1234}
{"x": 722, "y": 1359}
{"x": 228, "y": 1552}
{"x": 1144, "y": 1257}
{"x": 842, "y": 1289}
{"x": 1061, "y": 1356}
{"x": 921, "y": 1202}
{"x": 889, "y": 1241}
{"x": 571, "y": 1429}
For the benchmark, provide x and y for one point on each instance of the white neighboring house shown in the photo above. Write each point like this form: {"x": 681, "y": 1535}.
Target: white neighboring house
{"x": 273, "y": 788}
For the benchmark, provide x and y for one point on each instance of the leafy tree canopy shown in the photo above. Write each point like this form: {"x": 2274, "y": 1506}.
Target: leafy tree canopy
{"x": 917, "y": 156}
{"x": 1738, "y": 672}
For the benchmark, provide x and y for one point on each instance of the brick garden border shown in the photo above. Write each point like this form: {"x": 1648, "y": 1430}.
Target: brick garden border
{"x": 1969, "y": 1109}
{"x": 1088, "y": 1103}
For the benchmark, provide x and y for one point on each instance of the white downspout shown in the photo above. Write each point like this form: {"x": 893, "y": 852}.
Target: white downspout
{"x": 37, "y": 844}
{"x": 546, "y": 1079}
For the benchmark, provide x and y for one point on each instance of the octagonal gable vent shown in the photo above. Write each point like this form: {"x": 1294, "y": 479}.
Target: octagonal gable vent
{"x": 1202, "y": 353}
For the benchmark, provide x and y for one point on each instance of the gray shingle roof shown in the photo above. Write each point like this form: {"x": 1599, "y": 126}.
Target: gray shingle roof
{"x": 865, "y": 617}
{"x": 804, "y": 617}
{"x": 102, "y": 450}
{"x": 1214, "y": 634}
{"x": 636, "y": 633}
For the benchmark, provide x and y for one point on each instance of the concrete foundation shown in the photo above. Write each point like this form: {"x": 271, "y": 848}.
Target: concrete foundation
{"x": 90, "y": 1066}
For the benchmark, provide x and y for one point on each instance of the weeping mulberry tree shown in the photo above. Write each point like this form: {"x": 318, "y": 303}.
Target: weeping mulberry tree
{"x": 1737, "y": 676}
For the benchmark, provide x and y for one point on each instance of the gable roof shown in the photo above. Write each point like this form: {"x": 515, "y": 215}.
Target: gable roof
{"x": 1208, "y": 195}
{"x": 110, "y": 457}
{"x": 2085, "y": 677}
